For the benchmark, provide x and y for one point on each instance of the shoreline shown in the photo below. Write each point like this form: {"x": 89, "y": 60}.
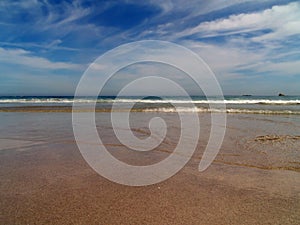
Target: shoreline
{"x": 152, "y": 109}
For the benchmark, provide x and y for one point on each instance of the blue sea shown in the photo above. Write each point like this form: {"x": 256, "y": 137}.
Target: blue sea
{"x": 234, "y": 104}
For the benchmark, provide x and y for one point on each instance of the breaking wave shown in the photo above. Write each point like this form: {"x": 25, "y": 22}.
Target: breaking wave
{"x": 151, "y": 101}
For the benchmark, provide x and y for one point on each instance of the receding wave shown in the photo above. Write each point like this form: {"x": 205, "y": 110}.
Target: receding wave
{"x": 147, "y": 110}
{"x": 225, "y": 101}
{"x": 212, "y": 110}
{"x": 151, "y": 101}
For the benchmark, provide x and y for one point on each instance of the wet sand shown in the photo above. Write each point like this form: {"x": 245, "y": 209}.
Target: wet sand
{"x": 255, "y": 178}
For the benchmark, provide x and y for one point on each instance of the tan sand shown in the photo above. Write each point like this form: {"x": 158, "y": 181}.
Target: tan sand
{"x": 253, "y": 180}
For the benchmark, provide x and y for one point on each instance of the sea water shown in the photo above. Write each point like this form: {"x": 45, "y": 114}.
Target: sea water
{"x": 234, "y": 104}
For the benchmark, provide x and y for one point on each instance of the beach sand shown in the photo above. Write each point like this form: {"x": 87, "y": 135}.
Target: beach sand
{"x": 255, "y": 178}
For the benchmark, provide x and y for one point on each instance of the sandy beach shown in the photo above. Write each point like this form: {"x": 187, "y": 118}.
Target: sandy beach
{"x": 254, "y": 179}
{"x": 149, "y": 112}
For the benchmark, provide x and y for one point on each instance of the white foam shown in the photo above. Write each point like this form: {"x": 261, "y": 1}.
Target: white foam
{"x": 153, "y": 101}
{"x": 205, "y": 110}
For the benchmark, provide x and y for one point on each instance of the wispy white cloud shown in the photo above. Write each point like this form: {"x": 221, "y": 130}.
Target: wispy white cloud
{"x": 16, "y": 83}
{"x": 65, "y": 15}
{"x": 231, "y": 62}
{"x": 225, "y": 58}
{"x": 281, "y": 21}
{"x": 25, "y": 58}
{"x": 284, "y": 69}
{"x": 53, "y": 45}
{"x": 25, "y": 4}
{"x": 195, "y": 7}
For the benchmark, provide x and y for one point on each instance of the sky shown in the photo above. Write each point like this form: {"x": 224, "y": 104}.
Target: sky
{"x": 253, "y": 47}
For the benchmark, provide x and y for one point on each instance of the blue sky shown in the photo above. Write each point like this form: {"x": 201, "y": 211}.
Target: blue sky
{"x": 253, "y": 47}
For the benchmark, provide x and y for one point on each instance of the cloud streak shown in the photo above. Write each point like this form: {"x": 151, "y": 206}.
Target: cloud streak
{"x": 25, "y": 58}
{"x": 281, "y": 21}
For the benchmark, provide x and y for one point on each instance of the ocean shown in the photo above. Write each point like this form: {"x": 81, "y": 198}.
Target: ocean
{"x": 234, "y": 104}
